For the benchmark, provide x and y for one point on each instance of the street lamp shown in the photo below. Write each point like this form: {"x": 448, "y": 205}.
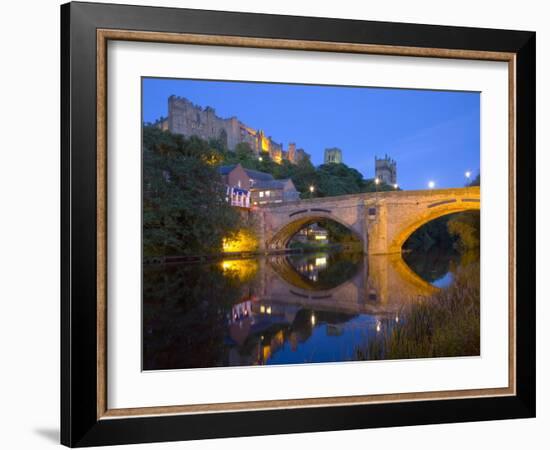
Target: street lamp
{"x": 260, "y": 158}
{"x": 395, "y": 186}
{"x": 311, "y": 188}
{"x": 468, "y": 174}
{"x": 377, "y": 181}
{"x": 431, "y": 184}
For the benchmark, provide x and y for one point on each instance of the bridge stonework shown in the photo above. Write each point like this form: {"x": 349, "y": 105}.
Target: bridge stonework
{"x": 383, "y": 221}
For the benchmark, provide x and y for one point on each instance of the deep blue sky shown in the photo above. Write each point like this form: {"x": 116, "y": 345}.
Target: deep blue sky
{"x": 433, "y": 135}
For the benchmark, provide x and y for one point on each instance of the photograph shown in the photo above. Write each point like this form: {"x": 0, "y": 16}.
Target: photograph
{"x": 289, "y": 224}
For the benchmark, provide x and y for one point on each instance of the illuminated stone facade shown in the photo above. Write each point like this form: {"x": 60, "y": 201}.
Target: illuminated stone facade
{"x": 333, "y": 156}
{"x": 386, "y": 170}
{"x": 189, "y": 119}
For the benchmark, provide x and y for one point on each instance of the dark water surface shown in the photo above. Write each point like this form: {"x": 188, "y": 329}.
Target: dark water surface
{"x": 317, "y": 307}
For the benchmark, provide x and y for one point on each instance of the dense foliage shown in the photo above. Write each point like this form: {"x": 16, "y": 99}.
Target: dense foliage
{"x": 184, "y": 206}
{"x": 327, "y": 179}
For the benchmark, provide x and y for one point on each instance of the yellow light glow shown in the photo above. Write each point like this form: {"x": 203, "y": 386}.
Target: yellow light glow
{"x": 319, "y": 238}
{"x": 244, "y": 241}
{"x": 243, "y": 269}
{"x": 262, "y": 309}
{"x": 378, "y": 327}
{"x": 320, "y": 262}
{"x": 313, "y": 319}
{"x": 268, "y": 310}
{"x": 265, "y": 144}
{"x": 266, "y": 352}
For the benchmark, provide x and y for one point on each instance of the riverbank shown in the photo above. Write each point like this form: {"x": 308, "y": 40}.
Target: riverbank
{"x": 444, "y": 325}
{"x": 156, "y": 260}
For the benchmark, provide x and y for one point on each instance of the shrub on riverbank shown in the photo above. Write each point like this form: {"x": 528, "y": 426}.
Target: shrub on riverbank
{"x": 446, "y": 324}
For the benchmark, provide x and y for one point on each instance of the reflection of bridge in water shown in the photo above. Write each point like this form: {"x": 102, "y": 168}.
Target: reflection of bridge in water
{"x": 381, "y": 286}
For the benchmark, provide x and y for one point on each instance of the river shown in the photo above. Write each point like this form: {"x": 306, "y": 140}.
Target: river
{"x": 285, "y": 309}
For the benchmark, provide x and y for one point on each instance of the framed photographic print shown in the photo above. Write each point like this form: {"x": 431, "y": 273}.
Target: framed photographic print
{"x": 276, "y": 224}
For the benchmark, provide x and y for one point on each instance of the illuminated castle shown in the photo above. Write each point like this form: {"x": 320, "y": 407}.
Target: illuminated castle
{"x": 188, "y": 119}
{"x": 386, "y": 170}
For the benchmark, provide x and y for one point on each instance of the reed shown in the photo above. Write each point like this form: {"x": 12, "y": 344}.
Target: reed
{"x": 444, "y": 325}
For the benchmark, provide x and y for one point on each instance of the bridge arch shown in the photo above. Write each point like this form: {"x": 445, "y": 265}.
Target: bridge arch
{"x": 428, "y": 215}
{"x": 282, "y": 236}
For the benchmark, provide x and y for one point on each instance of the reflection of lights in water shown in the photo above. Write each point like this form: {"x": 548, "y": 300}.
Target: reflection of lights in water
{"x": 266, "y": 352}
{"x": 244, "y": 269}
{"x": 378, "y": 326}
{"x": 312, "y": 319}
{"x": 320, "y": 262}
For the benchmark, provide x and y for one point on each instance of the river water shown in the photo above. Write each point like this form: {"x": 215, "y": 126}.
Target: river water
{"x": 285, "y": 309}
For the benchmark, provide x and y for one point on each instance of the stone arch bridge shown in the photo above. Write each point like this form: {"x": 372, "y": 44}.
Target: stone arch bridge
{"x": 383, "y": 221}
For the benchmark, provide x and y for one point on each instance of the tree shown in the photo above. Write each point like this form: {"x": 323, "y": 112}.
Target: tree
{"x": 184, "y": 206}
{"x": 465, "y": 226}
{"x": 476, "y": 181}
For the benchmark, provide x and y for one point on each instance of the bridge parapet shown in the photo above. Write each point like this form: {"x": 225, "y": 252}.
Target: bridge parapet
{"x": 381, "y": 220}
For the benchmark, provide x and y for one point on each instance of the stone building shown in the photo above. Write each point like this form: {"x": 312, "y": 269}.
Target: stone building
{"x": 248, "y": 187}
{"x": 386, "y": 170}
{"x": 189, "y": 119}
{"x": 333, "y": 155}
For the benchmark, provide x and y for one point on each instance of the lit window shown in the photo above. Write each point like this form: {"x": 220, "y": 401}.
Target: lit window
{"x": 267, "y": 193}
{"x": 239, "y": 183}
{"x": 261, "y": 194}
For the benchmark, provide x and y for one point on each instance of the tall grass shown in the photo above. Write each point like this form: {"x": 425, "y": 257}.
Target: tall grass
{"x": 446, "y": 324}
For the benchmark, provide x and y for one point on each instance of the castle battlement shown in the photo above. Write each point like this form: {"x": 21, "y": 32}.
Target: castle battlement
{"x": 386, "y": 169}
{"x": 189, "y": 119}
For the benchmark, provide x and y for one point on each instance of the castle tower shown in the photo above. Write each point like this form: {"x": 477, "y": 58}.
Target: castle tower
{"x": 291, "y": 151}
{"x": 385, "y": 170}
{"x": 333, "y": 155}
